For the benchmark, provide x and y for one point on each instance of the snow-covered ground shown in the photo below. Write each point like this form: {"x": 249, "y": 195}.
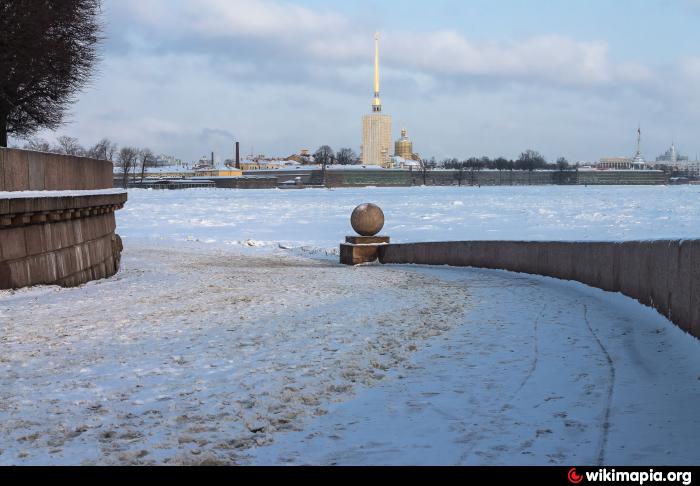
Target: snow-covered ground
{"x": 190, "y": 355}
{"x": 73, "y": 193}
{"x": 537, "y": 372}
{"x": 319, "y": 218}
{"x": 226, "y": 339}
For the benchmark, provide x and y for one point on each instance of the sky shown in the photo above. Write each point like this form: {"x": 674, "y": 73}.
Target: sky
{"x": 466, "y": 78}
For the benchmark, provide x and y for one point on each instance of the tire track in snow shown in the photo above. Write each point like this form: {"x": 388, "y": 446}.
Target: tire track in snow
{"x": 500, "y": 419}
{"x": 609, "y": 395}
{"x": 535, "y": 359}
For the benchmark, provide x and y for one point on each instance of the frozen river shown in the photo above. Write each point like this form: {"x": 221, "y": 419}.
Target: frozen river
{"x": 319, "y": 218}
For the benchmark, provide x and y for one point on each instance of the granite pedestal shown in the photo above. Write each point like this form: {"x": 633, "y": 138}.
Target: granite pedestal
{"x": 361, "y": 249}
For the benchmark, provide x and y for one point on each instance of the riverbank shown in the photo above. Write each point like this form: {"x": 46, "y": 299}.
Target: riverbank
{"x": 191, "y": 355}
{"x": 194, "y": 354}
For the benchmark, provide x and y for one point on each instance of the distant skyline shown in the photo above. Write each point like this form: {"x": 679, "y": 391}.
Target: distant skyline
{"x": 475, "y": 78}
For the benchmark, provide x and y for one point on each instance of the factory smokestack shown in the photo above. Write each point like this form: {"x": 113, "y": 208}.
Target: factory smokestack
{"x": 238, "y": 155}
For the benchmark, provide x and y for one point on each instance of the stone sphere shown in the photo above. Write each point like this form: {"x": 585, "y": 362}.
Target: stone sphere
{"x": 367, "y": 219}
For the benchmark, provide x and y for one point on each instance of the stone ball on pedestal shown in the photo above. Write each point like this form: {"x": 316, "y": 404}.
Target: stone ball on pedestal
{"x": 367, "y": 219}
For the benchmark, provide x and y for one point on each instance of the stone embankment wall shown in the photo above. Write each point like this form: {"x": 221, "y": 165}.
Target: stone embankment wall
{"x": 402, "y": 178}
{"x": 663, "y": 274}
{"x": 405, "y": 178}
{"x": 57, "y": 236}
{"x": 23, "y": 170}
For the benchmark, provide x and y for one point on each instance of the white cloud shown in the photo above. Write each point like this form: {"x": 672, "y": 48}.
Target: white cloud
{"x": 318, "y": 36}
{"x": 183, "y": 75}
{"x": 236, "y": 18}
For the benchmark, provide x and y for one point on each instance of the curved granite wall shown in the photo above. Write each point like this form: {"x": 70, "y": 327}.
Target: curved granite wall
{"x": 63, "y": 231}
{"x": 663, "y": 274}
{"x": 24, "y": 170}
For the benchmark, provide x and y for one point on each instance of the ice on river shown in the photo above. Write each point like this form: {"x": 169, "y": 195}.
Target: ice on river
{"x": 319, "y": 218}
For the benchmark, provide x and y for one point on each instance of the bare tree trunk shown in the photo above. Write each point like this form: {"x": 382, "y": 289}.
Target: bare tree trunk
{"x": 3, "y": 130}
{"x": 125, "y": 176}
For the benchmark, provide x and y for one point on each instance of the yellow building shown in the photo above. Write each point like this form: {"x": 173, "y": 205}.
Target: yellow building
{"x": 404, "y": 147}
{"x": 263, "y": 165}
{"x": 376, "y": 140}
{"x": 219, "y": 173}
{"x": 376, "y": 128}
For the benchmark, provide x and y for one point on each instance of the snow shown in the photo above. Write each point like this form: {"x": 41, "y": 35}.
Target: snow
{"x": 231, "y": 335}
{"x": 71, "y": 193}
{"x": 319, "y": 218}
{"x": 525, "y": 379}
{"x": 193, "y": 354}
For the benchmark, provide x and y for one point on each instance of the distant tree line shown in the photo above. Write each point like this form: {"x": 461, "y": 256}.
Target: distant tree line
{"x": 325, "y": 156}
{"x": 529, "y": 160}
{"x": 132, "y": 161}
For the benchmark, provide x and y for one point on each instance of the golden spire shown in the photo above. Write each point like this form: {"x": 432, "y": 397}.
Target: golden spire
{"x": 377, "y": 103}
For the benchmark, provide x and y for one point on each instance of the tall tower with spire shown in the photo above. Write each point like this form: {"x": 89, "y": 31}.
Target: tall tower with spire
{"x": 638, "y": 160}
{"x": 376, "y": 127}
{"x": 377, "y": 102}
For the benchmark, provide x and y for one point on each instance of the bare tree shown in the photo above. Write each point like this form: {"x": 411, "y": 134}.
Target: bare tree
{"x": 48, "y": 50}
{"x": 502, "y": 164}
{"x": 69, "y": 146}
{"x": 426, "y": 165}
{"x": 126, "y": 162}
{"x": 562, "y": 164}
{"x": 346, "y": 156}
{"x": 324, "y": 156}
{"x": 459, "y": 175}
{"x": 37, "y": 145}
{"x": 474, "y": 165}
{"x": 105, "y": 149}
{"x": 530, "y": 160}
{"x": 147, "y": 160}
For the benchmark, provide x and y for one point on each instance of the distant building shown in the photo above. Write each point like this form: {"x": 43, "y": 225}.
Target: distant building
{"x": 376, "y": 128}
{"x": 615, "y": 163}
{"x": 404, "y": 147}
{"x": 671, "y": 156}
{"x": 689, "y": 167}
{"x": 218, "y": 173}
{"x": 166, "y": 161}
{"x": 638, "y": 162}
{"x": 401, "y": 163}
{"x": 268, "y": 164}
{"x": 625, "y": 163}
{"x": 204, "y": 163}
{"x": 304, "y": 157}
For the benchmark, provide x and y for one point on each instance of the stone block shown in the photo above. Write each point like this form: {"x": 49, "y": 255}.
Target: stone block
{"x": 36, "y": 170}
{"x": 5, "y": 275}
{"x": 2, "y": 170}
{"x": 680, "y": 286}
{"x": 12, "y": 244}
{"x": 367, "y": 240}
{"x": 38, "y": 239}
{"x": 357, "y": 254}
{"x": 16, "y": 173}
{"x": 694, "y": 271}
